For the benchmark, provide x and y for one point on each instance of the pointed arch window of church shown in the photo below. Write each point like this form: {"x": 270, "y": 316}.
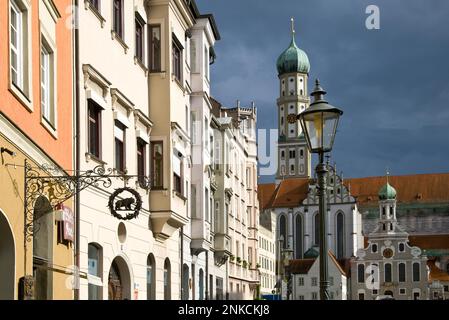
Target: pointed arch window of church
{"x": 283, "y": 229}
{"x": 340, "y": 235}
{"x": 298, "y": 237}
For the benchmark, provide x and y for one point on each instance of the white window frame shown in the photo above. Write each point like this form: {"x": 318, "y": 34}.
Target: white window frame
{"x": 49, "y": 110}
{"x": 22, "y": 90}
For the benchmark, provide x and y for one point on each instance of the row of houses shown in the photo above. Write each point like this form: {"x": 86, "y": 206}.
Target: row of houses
{"x": 121, "y": 177}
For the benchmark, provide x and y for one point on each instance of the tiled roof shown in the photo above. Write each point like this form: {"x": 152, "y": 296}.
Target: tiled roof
{"x": 418, "y": 188}
{"x": 430, "y": 241}
{"x": 436, "y": 273}
{"x": 301, "y": 266}
{"x": 289, "y": 193}
{"x": 425, "y": 241}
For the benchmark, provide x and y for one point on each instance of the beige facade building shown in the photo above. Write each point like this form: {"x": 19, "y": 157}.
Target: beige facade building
{"x": 267, "y": 252}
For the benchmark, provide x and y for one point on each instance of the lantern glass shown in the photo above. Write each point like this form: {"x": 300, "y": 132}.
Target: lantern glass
{"x": 319, "y": 128}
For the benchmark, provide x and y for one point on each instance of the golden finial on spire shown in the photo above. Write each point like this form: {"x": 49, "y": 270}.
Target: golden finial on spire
{"x": 293, "y": 26}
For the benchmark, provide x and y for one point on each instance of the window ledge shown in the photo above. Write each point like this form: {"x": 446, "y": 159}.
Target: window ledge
{"x": 49, "y": 127}
{"x": 88, "y": 5}
{"x": 138, "y": 62}
{"x": 178, "y": 82}
{"x": 91, "y": 157}
{"x": 23, "y": 99}
{"x": 119, "y": 39}
{"x": 179, "y": 195}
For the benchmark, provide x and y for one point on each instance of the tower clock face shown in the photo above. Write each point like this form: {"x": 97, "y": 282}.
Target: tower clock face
{"x": 388, "y": 253}
{"x": 292, "y": 118}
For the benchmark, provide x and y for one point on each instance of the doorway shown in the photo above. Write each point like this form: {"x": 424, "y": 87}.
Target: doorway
{"x": 7, "y": 260}
{"x": 119, "y": 280}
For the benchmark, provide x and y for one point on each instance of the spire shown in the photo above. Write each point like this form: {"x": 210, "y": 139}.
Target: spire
{"x": 293, "y": 30}
{"x": 387, "y": 174}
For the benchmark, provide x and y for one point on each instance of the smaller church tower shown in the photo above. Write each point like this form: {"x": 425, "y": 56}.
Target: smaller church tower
{"x": 387, "y": 210}
{"x": 293, "y": 71}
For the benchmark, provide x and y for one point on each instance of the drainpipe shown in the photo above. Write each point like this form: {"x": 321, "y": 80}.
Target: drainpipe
{"x": 181, "y": 237}
{"x": 77, "y": 151}
{"x": 207, "y": 275}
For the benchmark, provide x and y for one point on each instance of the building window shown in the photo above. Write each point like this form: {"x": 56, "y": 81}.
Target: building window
{"x": 361, "y": 273}
{"x": 301, "y": 282}
{"x": 301, "y": 153}
{"x": 140, "y": 34}
{"x": 141, "y": 152}
{"x": 177, "y": 59}
{"x": 416, "y": 272}
{"x": 94, "y": 118}
{"x": 401, "y": 247}
{"x": 206, "y": 63}
{"x": 301, "y": 298}
{"x": 177, "y": 172}
{"x": 155, "y": 48}
{"x": 292, "y": 154}
{"x": 201, "y": 284}
{"x": 298, "y": 237}
{"x": 340, "y": 235}
{"x": 206, "y": 204}
{"x": 314, "y": 295}
{"x": 151, "y": 277}
{"x": 47, "y": 84}
{"x": 18, "y": 45}
{"x": 95, "y": 269}
{"x": 119, "y": 143}
{"x": 314, "y": 281}
{"x": 283, "y": 230}
{"x": 361, "y": 296}
{"x": 118, "y": 17}
{"x": 282, "y": 154}
{"x": 375, "y": 291}
{"x": 374, "y": 248}
{"x": 402, "y": 291}
{"x": 387, "y": 270}
{"x": 167, "y": 280}
{"x": 157, "y": 155}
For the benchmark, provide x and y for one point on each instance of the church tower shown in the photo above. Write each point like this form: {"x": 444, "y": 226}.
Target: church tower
{"x": 293, "y": 70}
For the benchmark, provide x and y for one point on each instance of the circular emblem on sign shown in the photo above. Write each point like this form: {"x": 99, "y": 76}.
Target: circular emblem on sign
{"x": 125, "y": 204}
{"x": 388, "y": 253}
{"x": 292, "y": 118}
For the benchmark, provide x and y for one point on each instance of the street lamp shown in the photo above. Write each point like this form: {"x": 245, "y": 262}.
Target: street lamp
{"x": 319, "y": 123}
{"x": 287, "y": 256}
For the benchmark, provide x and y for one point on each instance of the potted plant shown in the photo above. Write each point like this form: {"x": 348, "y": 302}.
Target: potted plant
{"x": 258, "y": 265}
{"x": 232, "y": 258}
{"x": 239, "y": 259}
{"x": 245, "y": 263}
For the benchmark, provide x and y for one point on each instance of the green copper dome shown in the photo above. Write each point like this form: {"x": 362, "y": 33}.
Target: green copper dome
{"x": 293, "y": 60}
{"x": 387, "y": 192}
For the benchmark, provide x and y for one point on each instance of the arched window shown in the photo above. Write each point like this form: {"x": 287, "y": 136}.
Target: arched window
{"x": 151, "y": 277}
{"x": 316, "y": 224}
{"x": 401, "y": 268}
{"x": 167, "y": 279}
{"x": 95, "y": 270}
{"x": 416, "y": 272}
{"x": 7, "y": 260}
{"x": 387, "y": 270}
{"x": 401, "y": 247}
{"x": 361, "y": 273}
{"x": 201, "y": 284}
{"x": 340, "y": 235}
{"x": 283, "y": 230}
{"x": 185, "y": 282}
{"x": 298, "y": 237}
{"x": 374, "y": 248}
{"x": 384, "y": 211}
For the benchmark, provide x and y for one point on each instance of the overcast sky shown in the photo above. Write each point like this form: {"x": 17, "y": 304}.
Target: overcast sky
{"x": 392, "y": 83}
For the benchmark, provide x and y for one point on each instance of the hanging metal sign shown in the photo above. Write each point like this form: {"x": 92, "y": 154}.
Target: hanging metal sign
{"x": 125, "y": 203}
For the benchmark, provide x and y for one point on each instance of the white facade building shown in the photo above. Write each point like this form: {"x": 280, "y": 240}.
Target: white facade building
{"x": 306, "y": 279}
{"x": 267, "y": 252}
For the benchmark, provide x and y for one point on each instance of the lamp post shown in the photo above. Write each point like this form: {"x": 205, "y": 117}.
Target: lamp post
{"x": 287, "y": 256}
{"x": 280, "y": 271}
{"x": 319, "y": 123}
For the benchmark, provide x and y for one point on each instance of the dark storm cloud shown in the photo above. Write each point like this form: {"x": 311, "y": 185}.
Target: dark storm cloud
{"x": 392, "y": 83}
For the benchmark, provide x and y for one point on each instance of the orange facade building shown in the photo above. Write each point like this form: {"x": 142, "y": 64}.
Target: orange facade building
{"x": 36, "y": 128}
